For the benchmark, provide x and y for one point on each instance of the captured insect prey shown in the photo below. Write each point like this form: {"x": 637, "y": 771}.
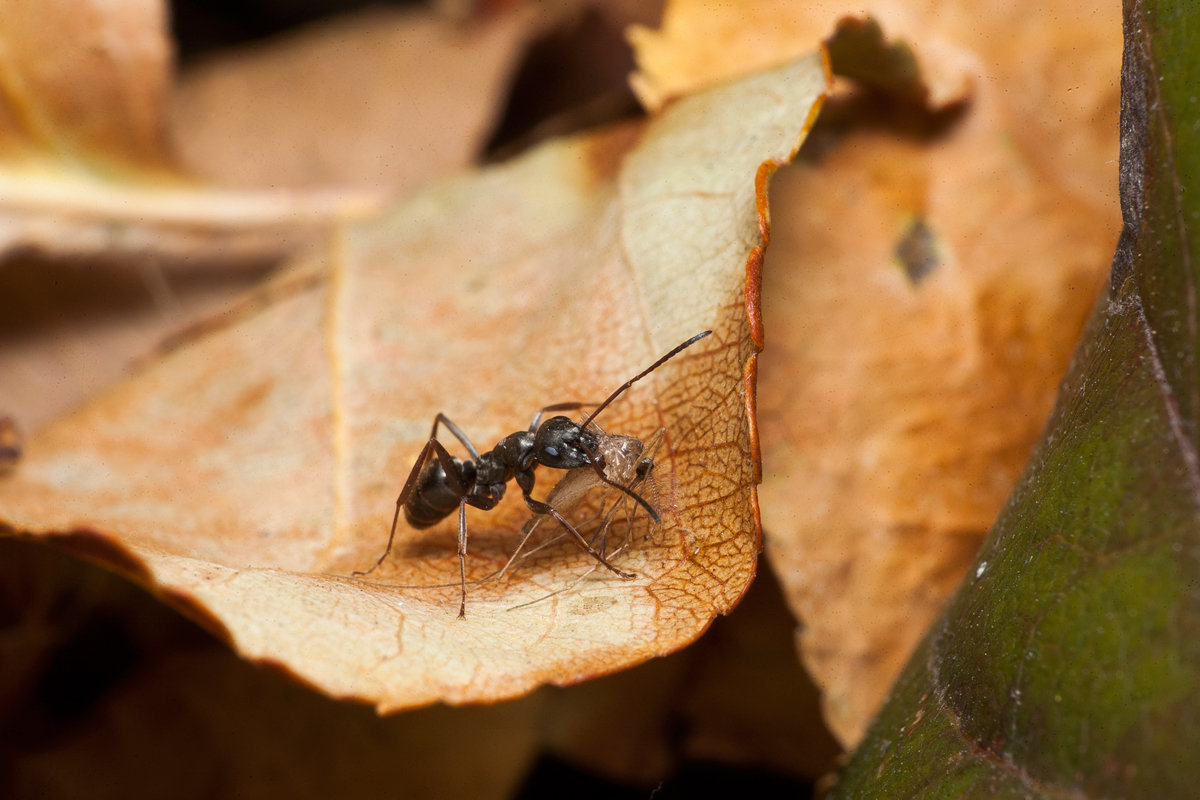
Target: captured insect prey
{"x": 628, "y": 462}
{"x": 440, "y": 483}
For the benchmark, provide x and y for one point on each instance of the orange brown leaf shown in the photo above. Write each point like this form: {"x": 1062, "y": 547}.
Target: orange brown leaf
{"x": 250, "y": 472}
{"x": 919, "y": 318}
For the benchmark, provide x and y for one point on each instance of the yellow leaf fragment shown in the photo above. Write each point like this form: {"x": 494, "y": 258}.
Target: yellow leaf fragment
{"x": 86, "y": 163}
{"x": 701, "y": 43}
{"x": 84, "y": 84}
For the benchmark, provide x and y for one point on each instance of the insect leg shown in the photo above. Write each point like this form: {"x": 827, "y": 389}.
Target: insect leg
{"x": 462, "y": 558}
{"x": 458, "y": 434}
{"x": 539, "y": 507}
{"x": 439, "y": 450}
{"x": 598, "y": 465}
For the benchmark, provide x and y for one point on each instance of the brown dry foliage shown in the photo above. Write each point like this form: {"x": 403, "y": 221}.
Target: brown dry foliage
{"x": 245, "y": 472}
{"x": 250, "y": 470}
{"x": 939, "y": 247}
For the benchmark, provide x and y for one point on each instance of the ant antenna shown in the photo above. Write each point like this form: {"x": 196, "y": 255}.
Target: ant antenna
{"x": 674, "y": 352}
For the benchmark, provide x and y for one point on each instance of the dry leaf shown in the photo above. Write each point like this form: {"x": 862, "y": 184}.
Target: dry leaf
{"x": 1066, "y": 664}
{"x": 700, "y": 43}
{"x": 88, "y": 172}
{"x": 85, "y": 84}
{"x": 748, "y": 701}
{"x": 230, "y": 733}
{"x": 919, "y": 317}
{"x": 90, "y": 662}
{"x": 246, "y": 475}
{"x": 385, "y": 100}
{"x": 105, "y": 693}
{"x": 738, "y": 698}
{"x": 10, "y": 442}
{"x": 84, "y": 164}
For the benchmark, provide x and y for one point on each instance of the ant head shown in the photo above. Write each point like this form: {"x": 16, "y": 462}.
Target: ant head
{"x": 561, "y": 444}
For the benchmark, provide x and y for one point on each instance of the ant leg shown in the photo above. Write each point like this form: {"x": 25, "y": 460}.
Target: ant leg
{"x": 447, "y": 462}
{"x": 597, "y": 464}
{"x": 538, "y": 507}
{"x": 409, "y": 483}
{"x": 458, "y": 434}
{"x": 462, "y": 559}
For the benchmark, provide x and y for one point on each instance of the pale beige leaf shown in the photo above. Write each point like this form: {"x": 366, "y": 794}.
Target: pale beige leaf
{"x": 249, "y": 473}
{"x": 118, "y": 698}
{"x": 384, "y": 100}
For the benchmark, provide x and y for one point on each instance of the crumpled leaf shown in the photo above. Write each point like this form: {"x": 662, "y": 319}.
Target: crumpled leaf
{"x": 931, "y": 270}
{"x": 250, "y": 472}
{"x": 1067, "y": 664}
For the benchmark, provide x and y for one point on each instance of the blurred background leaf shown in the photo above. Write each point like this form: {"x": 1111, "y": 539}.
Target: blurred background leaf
{"x": 1068, "y": 664}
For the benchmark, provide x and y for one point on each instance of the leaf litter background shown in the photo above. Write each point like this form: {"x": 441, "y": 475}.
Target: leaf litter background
{"x": 1067, "y": 664}
{"x": 862, "y": 141}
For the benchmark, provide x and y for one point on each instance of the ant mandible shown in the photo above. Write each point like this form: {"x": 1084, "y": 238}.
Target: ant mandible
{"x": 437, "y": 485}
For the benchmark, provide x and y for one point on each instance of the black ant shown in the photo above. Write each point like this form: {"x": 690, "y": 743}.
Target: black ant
{"x": 437, "y": 485}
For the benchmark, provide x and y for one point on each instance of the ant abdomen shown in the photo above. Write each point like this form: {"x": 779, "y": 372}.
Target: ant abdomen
{"x": 434, "y": 498}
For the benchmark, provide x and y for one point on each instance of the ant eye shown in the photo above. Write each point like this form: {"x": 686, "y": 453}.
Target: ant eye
{"x": 551, "y": 451}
